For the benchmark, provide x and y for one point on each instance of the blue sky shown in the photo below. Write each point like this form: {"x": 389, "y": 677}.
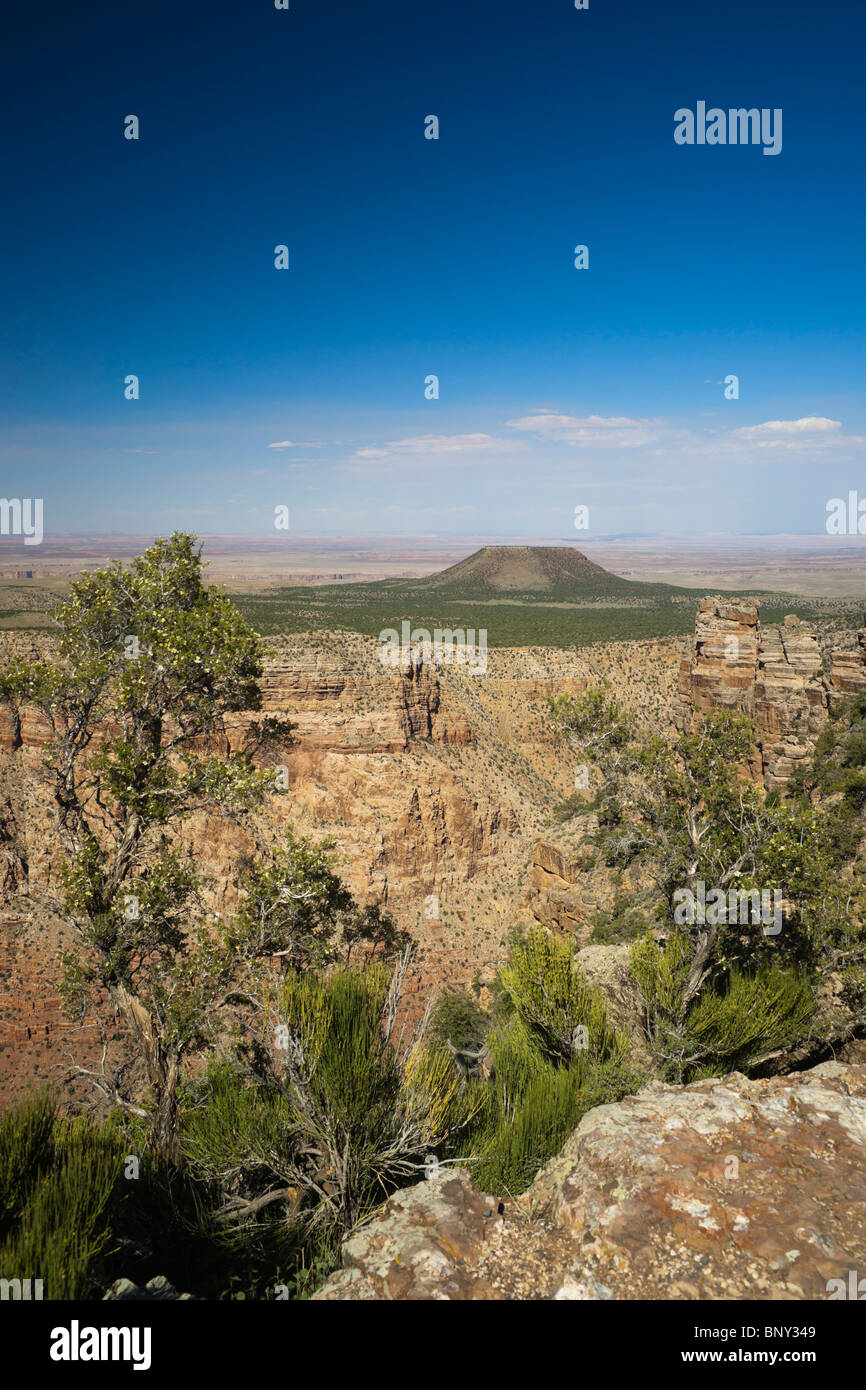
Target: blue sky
{"x": 411, "y": 257}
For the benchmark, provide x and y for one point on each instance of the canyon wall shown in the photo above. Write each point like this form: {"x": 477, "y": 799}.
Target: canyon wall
{"x": 435, "y": 786}
{"x": 778, "y": 676}
{"x": 410, "y": 772}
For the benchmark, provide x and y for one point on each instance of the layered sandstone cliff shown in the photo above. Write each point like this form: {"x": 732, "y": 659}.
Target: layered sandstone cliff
{"x": 776, "y": 676}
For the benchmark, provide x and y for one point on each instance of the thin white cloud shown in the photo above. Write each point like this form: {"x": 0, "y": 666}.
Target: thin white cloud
{"x": 435, "y": 444}
{"x": 596, "y": 431}
{"x": 298, "y": 444}
{"x": 774, "y": 429}
{"x": 809, "y": 434}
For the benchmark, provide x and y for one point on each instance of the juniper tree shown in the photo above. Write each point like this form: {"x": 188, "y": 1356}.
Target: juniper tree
{"x": 294, "y": 906}
{"x": 149, "y": 663}
{"x": 696, "y": 816}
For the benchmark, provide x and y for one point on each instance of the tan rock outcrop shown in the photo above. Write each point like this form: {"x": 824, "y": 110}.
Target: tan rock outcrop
{"x": 774, "y": 676}
{"x": 721, "y": 671}
{"x": 791, "y": 699}
{"x": 424, "y": 1245}
{"x": 555, "y": 897}
{"x": 724, "y": 1189}
{"x": 562, "y": 894}
{"x": 848, "y": 668}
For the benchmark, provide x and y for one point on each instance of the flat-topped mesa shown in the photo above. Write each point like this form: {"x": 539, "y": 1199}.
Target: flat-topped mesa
{"x": 775, "y": 676}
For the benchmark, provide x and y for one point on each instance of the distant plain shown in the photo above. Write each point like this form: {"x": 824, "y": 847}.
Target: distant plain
{"x": 303, "y": 583}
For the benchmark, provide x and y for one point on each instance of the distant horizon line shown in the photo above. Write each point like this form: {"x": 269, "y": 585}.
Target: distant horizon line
{"x": 516, "y": 538}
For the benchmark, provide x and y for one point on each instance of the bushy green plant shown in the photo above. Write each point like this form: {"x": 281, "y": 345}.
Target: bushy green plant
{"x": 458, "y": 1018}
{"x": 551, "y": 996}
{"x": 26, "y": 1149}
{"x": 688, "y": 806}
{"x": 624, "y": 921}
{"x": 571, "y": 806}
{"x": 516, "y": 1144}
{"x": 554, "y": 1056}
{"x": 335, "y": 1116}
{"x": 61, "y": 1184}
{"x": 738, "y": 1022}
{"x": 838, "y": 763}
{"x": 737, "y": 1025}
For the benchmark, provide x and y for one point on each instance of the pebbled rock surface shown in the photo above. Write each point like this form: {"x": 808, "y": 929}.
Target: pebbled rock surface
{"x": 423, "y": 1245}
{"x": 725, "y": 1189}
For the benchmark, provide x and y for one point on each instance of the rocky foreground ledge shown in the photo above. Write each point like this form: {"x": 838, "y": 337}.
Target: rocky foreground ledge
{"x": 725, "y": 1189}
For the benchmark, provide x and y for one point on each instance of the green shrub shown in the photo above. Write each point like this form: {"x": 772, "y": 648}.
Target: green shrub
{"x": 574, "y": 805}
{"x": 734, "y": 1021}
{"x": 516, "y": 1144}
{"x": 661, "y": 972}
{"x": 549, "y": 991}
{"x": 623, "y": 922}
{"x": 554, "y": 1057}
{"x": 533, "y": 1108}
{"x": 26, "y": 1149}
{"x": 61, "y": 1181}
{"x": 341, "y": 1119}
{"x": 733, "y": 1025}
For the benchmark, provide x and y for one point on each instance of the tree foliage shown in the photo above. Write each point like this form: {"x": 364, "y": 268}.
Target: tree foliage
{"x": 699, "y": 822}
{"x": 150, "y": 664}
